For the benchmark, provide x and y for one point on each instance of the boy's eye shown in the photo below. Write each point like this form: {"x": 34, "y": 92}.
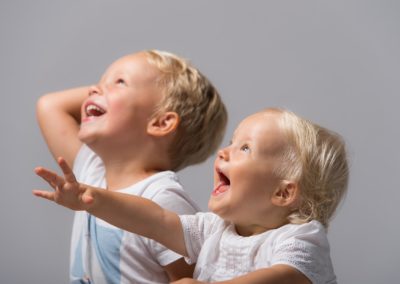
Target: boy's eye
{"x": 121, "y": 82}
{"x": 245, "y": 148}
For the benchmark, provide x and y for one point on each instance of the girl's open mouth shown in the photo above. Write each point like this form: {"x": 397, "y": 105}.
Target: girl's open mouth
{"x": 223, "y": 184}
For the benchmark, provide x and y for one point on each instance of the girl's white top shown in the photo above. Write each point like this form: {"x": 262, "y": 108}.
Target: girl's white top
{"x": 221, "y": 254}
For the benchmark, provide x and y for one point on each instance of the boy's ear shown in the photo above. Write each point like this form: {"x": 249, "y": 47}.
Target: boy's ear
{"x": 163, "y": 124}
{"x": 286, "y": 194}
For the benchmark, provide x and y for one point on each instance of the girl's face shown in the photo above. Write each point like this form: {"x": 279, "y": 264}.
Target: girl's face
{"x": 118, "y": 108}
{"x": 244, "y": 177}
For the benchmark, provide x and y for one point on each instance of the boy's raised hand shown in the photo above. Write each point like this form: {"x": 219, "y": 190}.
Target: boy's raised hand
{"x": 67, "y": 191}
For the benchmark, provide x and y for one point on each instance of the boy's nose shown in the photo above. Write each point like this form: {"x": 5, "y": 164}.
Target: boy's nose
{"x": 94, "y": 90}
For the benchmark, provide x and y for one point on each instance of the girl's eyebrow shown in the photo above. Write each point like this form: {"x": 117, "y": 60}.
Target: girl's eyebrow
{"x": 234, "y": 135}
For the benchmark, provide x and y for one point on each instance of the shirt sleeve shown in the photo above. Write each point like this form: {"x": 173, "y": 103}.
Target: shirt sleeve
{"x": 306, "y": 248}
{"x": 196, "y": 229}
{"x": 88, "y": 167}
{"x": 173, "y": 199}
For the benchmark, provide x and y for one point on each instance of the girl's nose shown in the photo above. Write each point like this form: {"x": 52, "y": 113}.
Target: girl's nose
{"x": 223, "y": 154}
{"x": 94, "y": 90}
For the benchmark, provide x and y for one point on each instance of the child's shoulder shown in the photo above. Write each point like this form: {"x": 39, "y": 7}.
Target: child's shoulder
{"x": 160, "y": 183}
{"x": 313, "y": 233}
{"x": 87, "y": 165}
{"x": 300, "y": 245}
{"x": 165, "y": 189}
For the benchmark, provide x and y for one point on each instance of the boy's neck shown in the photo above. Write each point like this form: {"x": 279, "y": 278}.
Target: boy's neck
{"x": 124, "y": 168}
{"x": 122, "y": 175}
{"x": 129, "y": 163}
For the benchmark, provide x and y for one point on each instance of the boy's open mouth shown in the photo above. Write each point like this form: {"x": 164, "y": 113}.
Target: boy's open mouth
{"x": 223, "y": 184}
{"x": 94, "y": 110}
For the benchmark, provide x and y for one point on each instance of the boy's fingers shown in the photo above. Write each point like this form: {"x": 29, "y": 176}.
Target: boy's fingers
{"x": 44, "y": 194}
{"x": 87, "y": 199}
{"x": 68, "y": 174}
{"x": 52, "y": 178}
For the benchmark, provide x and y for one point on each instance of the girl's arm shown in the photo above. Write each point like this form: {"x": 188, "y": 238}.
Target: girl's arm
{"x": 131, "y": 213}
{"x": 59, "y": 116}
{"x": 276, "y": 274}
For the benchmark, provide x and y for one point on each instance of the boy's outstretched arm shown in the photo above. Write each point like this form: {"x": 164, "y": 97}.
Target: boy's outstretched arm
{"x": 59, "y": 116}
{"x": 131, "y": 213}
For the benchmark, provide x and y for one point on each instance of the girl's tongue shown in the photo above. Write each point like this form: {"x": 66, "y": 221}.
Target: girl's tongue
{"x": 222, "y": 186}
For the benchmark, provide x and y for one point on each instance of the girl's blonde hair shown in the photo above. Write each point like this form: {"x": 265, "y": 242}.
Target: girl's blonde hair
{"x": 316, "y": 160}
{"x": 191, "y": 95}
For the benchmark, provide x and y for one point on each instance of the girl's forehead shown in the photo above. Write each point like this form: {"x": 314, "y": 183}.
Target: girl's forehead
{"x": 261, "y": 120}
{"x": 262, "y": 128}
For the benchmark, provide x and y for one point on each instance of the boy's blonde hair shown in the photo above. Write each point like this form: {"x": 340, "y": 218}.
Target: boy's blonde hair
{"x": 202, "y": 114}
{"x": 316, "y": 159}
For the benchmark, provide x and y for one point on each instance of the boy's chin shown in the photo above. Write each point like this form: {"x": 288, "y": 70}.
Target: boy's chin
{"x": 86, "y": 137}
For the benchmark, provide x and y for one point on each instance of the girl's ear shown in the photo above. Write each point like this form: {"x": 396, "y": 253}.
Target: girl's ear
{"x": 286, "y": 194}
{"x": 163, "y": 124}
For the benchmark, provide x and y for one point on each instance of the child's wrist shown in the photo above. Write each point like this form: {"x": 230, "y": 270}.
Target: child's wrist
{"x": 88, "y": 198}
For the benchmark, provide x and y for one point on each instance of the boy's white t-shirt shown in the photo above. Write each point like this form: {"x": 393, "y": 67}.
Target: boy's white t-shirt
{"x": 221, "y": 254}
{"x": 102, "y": 253}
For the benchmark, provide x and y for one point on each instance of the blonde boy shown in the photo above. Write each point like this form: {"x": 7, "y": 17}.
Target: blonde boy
{"x": 150, "y": 114}
{"x": 276, "y": 187}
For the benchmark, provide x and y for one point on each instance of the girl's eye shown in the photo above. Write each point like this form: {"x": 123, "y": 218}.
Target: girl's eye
{"x": 245, "y": 148}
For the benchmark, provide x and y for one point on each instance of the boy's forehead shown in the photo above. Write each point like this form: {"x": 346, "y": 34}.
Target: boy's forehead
{"x": 134, "y": 65}
{"x": 127, "y": 62}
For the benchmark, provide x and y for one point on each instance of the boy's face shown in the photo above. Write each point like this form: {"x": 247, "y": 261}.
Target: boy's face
{"x": 244, "y": 178}
{"x": 120, "y": 106}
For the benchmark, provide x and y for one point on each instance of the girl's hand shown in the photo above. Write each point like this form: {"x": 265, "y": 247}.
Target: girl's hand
{"x": 67, "y": 191}
{"x": 187, "y": 281}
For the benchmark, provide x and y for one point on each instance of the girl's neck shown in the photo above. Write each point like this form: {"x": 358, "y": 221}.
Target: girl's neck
{"x": 255, "y": 229}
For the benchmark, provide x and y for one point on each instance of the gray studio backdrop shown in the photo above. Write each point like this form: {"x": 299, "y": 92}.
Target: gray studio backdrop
{"x": 334, "y": 62}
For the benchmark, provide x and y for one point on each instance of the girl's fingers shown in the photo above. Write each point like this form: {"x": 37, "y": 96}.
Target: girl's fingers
{"x": 44, "y": 194}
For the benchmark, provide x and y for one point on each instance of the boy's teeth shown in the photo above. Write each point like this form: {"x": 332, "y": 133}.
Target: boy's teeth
{"x": 93, "y": 107}
{"x": 94, "y": 110}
